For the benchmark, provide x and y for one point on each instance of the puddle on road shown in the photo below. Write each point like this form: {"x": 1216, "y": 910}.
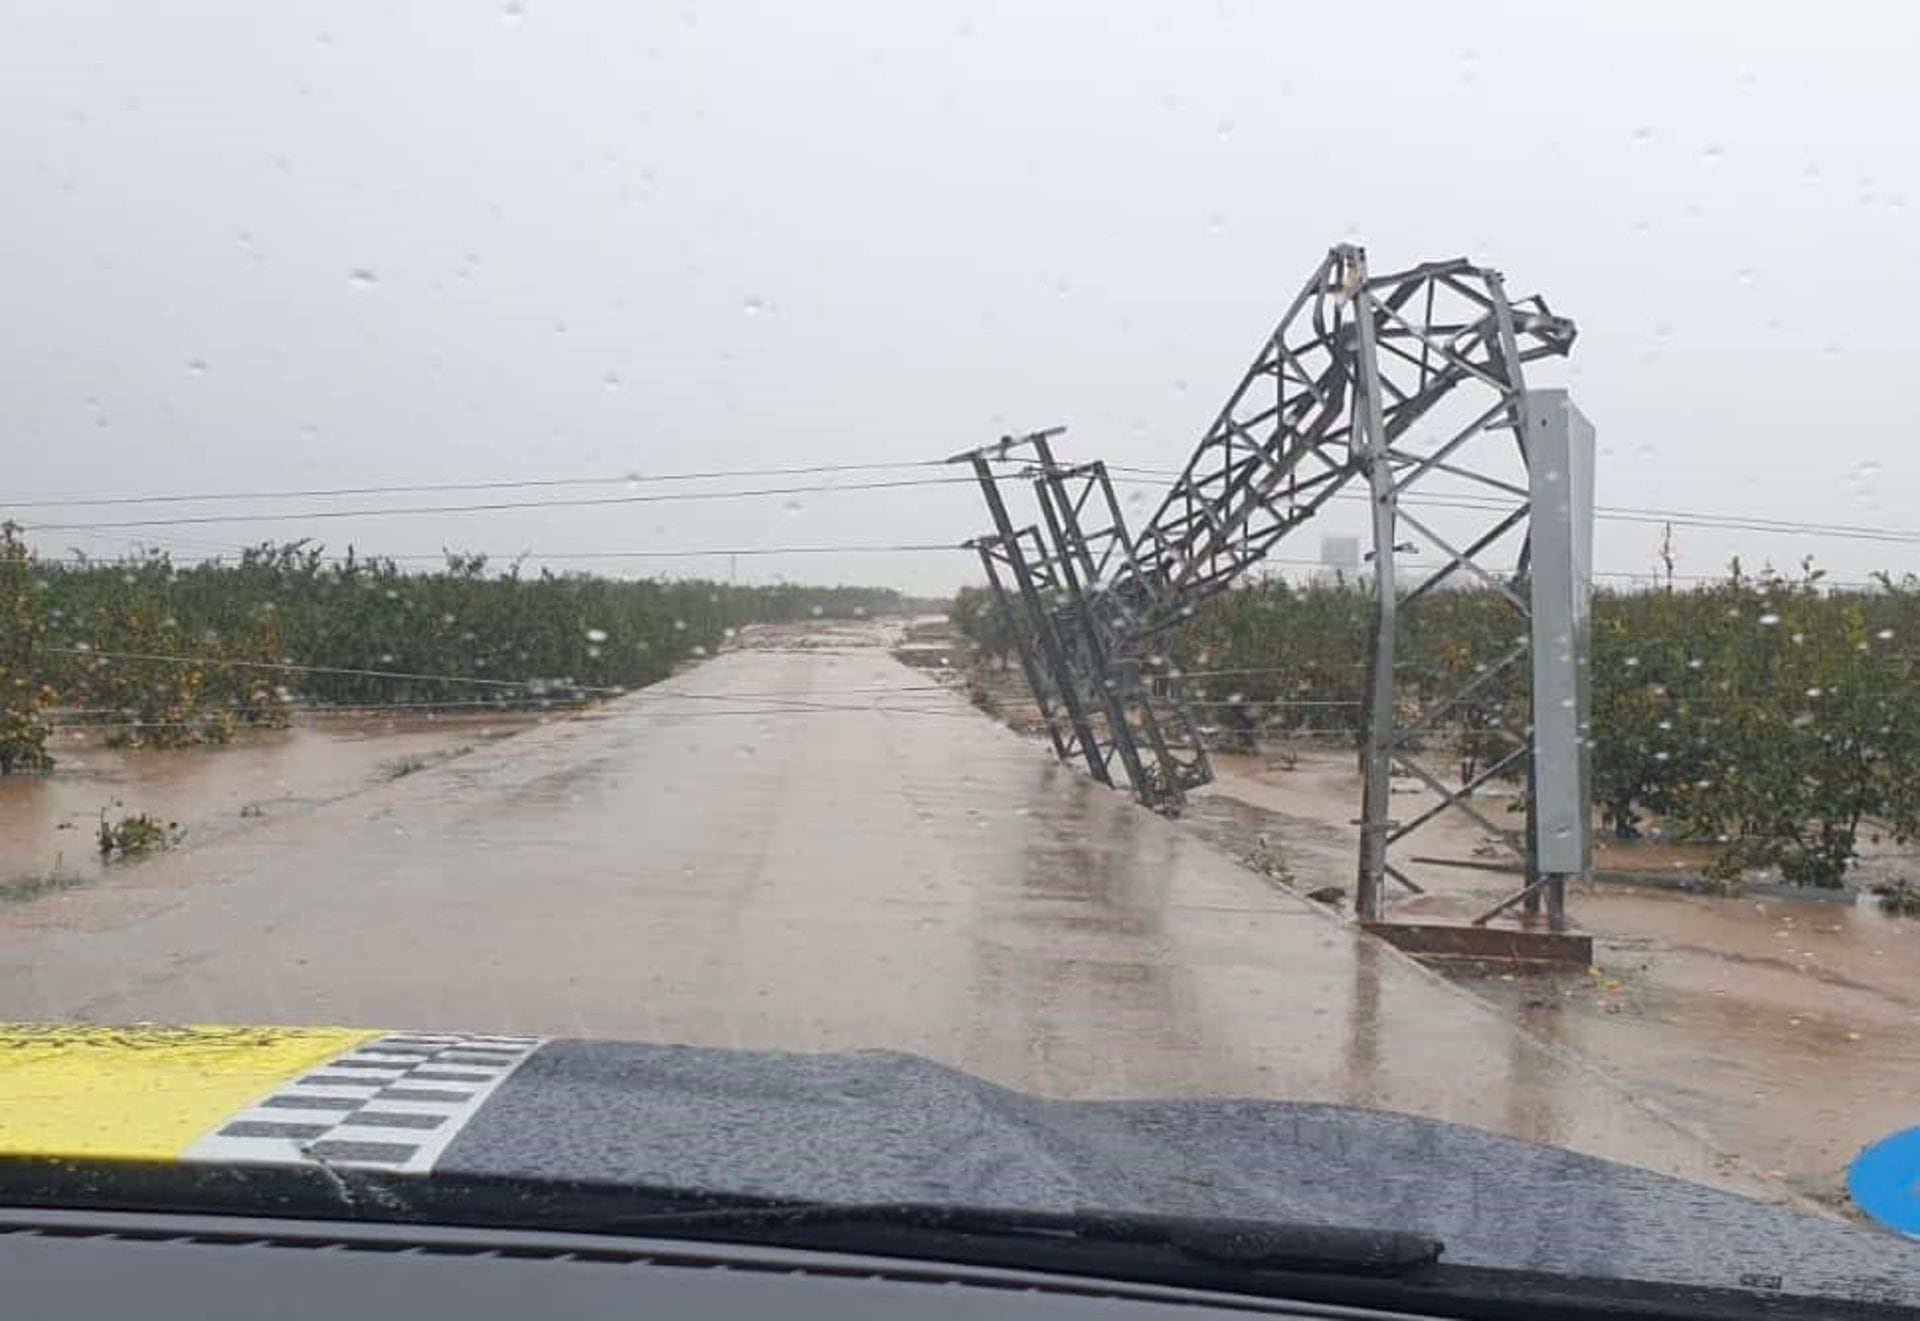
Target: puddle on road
{"x": 47, "y": 822}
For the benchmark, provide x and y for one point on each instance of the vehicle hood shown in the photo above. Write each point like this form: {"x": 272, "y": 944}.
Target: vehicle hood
{"x": 91, "y": 1115}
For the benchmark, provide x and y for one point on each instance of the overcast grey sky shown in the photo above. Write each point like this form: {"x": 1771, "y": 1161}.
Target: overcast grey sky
{"x": 262, "y": 246}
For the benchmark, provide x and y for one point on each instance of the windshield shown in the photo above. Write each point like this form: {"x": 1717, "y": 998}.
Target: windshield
{"x": 1138, "y": 553}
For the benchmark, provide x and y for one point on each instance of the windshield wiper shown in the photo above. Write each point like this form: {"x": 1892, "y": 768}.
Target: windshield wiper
{"x": 1146, "y": 1245}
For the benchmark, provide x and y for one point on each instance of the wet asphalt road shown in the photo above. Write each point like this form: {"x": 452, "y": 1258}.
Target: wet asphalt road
{"x": 809, "y": 849}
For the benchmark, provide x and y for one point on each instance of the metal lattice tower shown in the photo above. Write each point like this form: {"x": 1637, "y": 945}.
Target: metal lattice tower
{"x": 1102, "y": 699}
{"x": 1406, "y": 382}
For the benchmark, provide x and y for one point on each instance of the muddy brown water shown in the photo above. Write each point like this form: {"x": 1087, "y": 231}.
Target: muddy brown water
{"x": 48, "y": 822}
{"x": 650, "y": 868}
{"x": 1788, "y": 1030}
{"x": 809, "y": 847}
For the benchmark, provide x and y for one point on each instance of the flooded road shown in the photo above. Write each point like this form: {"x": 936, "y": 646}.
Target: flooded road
{"x": 47, "y": 822}
{"x": 809, "y": 846}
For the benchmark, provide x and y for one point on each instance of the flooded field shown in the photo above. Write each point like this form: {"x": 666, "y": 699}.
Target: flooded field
{"x": 1788, "y": 1028}
{"x": 48, "y": 822}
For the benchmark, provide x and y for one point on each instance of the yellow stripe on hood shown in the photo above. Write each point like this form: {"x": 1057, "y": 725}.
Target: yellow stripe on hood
{"x": 145, "y": 1092}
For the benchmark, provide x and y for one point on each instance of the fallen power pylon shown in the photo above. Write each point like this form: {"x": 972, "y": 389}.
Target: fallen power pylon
{"x": 1407, "y": 382}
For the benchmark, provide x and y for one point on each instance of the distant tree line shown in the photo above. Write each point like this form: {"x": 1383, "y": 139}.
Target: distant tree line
{"x": 162, "y": 654}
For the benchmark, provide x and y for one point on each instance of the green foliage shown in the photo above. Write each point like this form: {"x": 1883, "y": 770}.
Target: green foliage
{"x": 1769, "y": 714}
{"x": 1266, "y": 859}
{"x": 1803, "y": 723}
{"x": 21, "y": 889}
{"x": 977, "y": 616}
{"x": 1901, "y": 898}
{"x": 1773, "y": 716}
{"x": 161, "y": 655}
{"x": 565, "y": 632}
{"x": 135, "y": 836}
{"x": 1285, "y": 658}
{"x": 24, "y": 690}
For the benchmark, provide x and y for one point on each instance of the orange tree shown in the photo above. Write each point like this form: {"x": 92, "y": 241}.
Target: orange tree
{"x": 24, "y": 690}
{"x": 1809, "y": 727}
{"x": 182, "y": 654}
{"x": 1655, "y": 655}
{"x": 1277, "y": 656}
{"x": 977, "y": 616}
{"x": 1776, "y": 717}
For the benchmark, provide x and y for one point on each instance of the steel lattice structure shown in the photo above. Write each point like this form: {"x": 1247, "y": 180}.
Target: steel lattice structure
{"x": 1102, "y": 695}
{"x": 1394, "y": 383}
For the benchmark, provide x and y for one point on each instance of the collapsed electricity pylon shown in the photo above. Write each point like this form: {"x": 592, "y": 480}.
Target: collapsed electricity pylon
{"x": 1395, "y": 383}
{"x": 1102, "y": 697}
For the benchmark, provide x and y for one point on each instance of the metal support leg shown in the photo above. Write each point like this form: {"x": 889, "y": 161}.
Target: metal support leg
{"x": 1039, "y": 623}
{"x": 1376, "y": 808}
{"x": 1024, "y": 643}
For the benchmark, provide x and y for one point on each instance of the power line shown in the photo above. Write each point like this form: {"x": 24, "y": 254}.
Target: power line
{"x": 405, "y": 488}
{"x": 537, "y": 684}
{"x": 224, "y": 552}
{"x": 807, "y": 692}
{"x": 452, "y": 704}
{"x": 1750, "y": 580}
{"x": 327, "y": 669}
{"x": 1730, "y": 523}
{"x": 1276, "y": 702}
{"x": 1756, "y": 520}
{"x": 716, "y": 552}
{"x": 1631, "y": 514}
{"x": 1259, "y": 669}
{"x": 794, "y": 708}
{"x": 1679, "y": 517}
{"x": 494, "y": 506}
{"x": 483, "y": 705}
{"x": 650, "y": 714}
{"x": 688, "y": 554}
